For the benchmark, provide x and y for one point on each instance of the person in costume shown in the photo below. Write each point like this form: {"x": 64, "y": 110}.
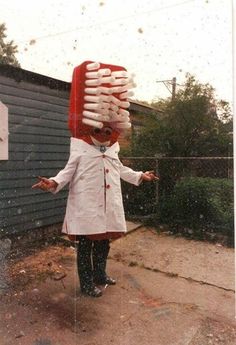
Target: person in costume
{"x": 94, "y": 211}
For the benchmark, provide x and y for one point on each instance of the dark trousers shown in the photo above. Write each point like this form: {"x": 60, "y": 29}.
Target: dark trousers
{"x": 91, "y": 261}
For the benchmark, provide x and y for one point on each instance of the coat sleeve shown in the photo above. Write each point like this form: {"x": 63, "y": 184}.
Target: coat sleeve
{"x": 129, "y": 175}
{"x": 65, "y": 175}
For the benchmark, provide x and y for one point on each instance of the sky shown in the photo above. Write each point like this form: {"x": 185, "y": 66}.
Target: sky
{"x": 154, "y": 39}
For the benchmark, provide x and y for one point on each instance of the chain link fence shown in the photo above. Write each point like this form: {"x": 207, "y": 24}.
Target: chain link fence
{"x": 193, "y": 194}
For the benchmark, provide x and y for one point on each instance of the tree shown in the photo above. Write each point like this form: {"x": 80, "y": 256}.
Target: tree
{"x": 193, "y": 124}
{"x": 7, "y": 49}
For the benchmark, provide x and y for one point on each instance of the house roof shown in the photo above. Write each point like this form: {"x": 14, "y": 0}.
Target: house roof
{"x": 143, "y": 108}
{"x": 19, "y": 74}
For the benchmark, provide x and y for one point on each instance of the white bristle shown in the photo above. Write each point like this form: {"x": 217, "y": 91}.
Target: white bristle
{"x": 131, "y": 85}
{"x": 104, "y": 71}
{"x": 126, "y": 94}
{"x": 92, "y": 66}
{"x": 125, "y": 88}
{"x": 92, "y": 90}
{"x": 92, "y": 123}
{"x": 107, "y": 103}
{"x": 95, "y": 99}
{"x": 105, "y": 90}
{"x": 124, "y": 104}
{"x": 95, "y": 116}
{"x": 92, "y": 106}
{"x": 105, "y": 98}
{"x": 120, "y": 81}
{"x": 114, "y": 107}
{"x": 105, "y": 80}
{"x": 124, "y": 125}
{"x": 93, "y": 82}
{"x": 104, "y": 105}
{"x": 124, "y": 112}
{"x": 117, "y": 117}
{"x": 116, "y": 101}
{"x": 117, "y": 89}
{"x": 130, "y": 80}
{"x": 93, "y": 75}
{"x": 120, "y": 74}
{"x": 113, "y": 113}
{"x": 104, "y": 111}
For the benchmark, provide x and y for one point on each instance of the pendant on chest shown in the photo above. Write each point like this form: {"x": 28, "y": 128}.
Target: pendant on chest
{"x": 102, "y": 148}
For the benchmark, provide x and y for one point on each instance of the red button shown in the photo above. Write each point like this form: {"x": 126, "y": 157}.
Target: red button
{"x": 103, "y": 156}
{"x": 107, "y": 170}
{"x": 108, "y": 186}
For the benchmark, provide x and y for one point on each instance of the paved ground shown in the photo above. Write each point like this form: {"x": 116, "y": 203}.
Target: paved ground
{"x": 170, "y": 291}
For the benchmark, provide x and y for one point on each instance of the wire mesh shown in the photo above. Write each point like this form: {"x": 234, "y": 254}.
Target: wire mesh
{"x": 207, "y": 185}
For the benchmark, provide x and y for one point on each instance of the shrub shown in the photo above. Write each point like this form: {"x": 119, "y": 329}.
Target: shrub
{"x": 139, "y": 201}
{"x": 199, "y": 205}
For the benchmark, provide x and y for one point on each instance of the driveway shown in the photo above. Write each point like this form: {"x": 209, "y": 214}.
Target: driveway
{"x": 170, "y": 291}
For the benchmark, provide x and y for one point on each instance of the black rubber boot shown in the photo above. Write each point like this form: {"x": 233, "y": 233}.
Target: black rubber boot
{"x": 100, "y": 253}
{"x": 84, "y": 265}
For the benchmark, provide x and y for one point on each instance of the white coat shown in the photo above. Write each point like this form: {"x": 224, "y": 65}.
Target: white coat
{"x": 94, "y": 204}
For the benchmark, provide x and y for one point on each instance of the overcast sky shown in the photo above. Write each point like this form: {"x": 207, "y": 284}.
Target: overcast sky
{"x": 155, "y": 39}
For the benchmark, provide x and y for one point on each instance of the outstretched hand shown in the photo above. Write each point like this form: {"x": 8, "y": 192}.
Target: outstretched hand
{"x": 149, "y": 176}
{"x": 45, "y": 184}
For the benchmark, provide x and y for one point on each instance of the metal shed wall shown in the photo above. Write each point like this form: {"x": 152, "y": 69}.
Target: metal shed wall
{"x": 38, "y": 145}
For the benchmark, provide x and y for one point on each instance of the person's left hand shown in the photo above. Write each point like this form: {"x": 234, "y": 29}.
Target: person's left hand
{"x": 149, "y": 176}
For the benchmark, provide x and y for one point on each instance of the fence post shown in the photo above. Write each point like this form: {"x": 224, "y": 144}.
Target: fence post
{"x": 157, "y": 156}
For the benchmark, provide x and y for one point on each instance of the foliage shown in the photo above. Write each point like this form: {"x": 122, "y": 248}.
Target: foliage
{"x": 139, "y": 201}
{"x": 193, "y": 124}
{"x": 7, "y": 49}
{"x": 199, "y": 205}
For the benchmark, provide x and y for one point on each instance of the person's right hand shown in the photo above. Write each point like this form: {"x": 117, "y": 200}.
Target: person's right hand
{"x": 45, "y": 184}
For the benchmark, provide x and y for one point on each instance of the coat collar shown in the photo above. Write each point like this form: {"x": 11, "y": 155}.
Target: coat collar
{"x": 81, "y": 147}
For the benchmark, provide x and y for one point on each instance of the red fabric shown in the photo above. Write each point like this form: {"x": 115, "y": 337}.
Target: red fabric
{"x": 76, "y": 105}
{"x": 101, "y": 137}
{"x": 97, "y": 237}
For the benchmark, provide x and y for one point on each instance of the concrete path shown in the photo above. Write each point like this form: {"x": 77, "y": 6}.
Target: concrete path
{"x": 202, "y": 262}
{"x": 169, "y": 292}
